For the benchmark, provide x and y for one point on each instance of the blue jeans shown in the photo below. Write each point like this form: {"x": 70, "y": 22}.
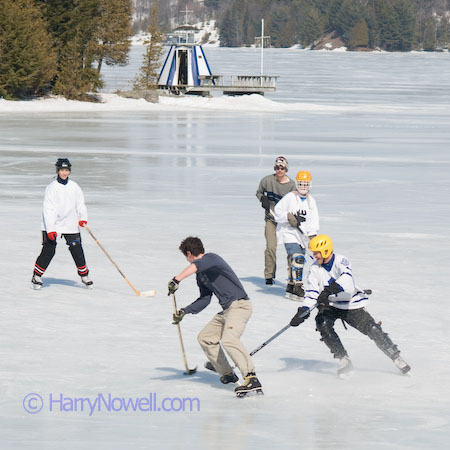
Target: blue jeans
{"x": 293, "y": 248}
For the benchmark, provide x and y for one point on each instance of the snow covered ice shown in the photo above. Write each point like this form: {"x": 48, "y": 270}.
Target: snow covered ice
{"x": 373, "y": 129}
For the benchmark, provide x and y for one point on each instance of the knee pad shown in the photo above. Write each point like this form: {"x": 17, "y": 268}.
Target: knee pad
{"x": 76, "y": 250}
{"x": 297, "y": 262}
{"x": 74, "y": 243}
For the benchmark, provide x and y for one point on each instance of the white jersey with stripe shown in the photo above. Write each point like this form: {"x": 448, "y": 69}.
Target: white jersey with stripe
{"x": 339, "y": 270}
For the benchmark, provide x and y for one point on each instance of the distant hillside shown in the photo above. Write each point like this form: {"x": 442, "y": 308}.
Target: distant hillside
{"x": 392, "y": 25}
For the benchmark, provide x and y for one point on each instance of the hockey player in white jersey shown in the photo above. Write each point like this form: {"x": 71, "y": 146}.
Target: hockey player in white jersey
{"x": 331, "y": 285}
{"x": 297, "y": 220}
{"x": 63, "y": 213}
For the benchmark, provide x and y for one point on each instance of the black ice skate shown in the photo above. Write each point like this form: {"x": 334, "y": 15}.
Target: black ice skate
{"x": 229, "y": 378}
{"x": 402, "y": 365}
{"x": 269, "y": 281}
{"x": 289, "y": 290}
{"x": 36, "y": 282}
{"x": 87, "y": 282}
{"x": 251, "y": 386}
{"x": 345, "y": 369}
{"x": 299, "y": 293}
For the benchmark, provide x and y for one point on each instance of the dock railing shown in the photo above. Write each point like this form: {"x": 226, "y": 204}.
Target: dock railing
{"x": 228, "y": 84}
{"x": 251, "y": 82}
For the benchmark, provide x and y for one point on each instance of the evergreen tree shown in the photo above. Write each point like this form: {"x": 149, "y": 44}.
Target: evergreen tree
{"x": 281, "y": 26}
{"x": 73, "y": 25}
{"x": 406, "y": 24}
{"x": 149, "y": 71}
{"x": 86, "y": 34}
{"x": 113, "y": 30}
{"x": 345, "y": 18}
{"x": 59, "y": 14}
{"x": 443, "y": 33}
{"x": 358, "y": 35}
{"x": 228, "y": 34}
{"x": 312, "y": 26}
{"x": 27, "y": 61}
{"x": 75, "y": 78}
{"x": 387, "y": 25}
{"x": 429, "y": 39}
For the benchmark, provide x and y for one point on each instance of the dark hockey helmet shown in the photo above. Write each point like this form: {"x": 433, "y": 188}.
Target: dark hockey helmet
{"x": 63, "y": 163}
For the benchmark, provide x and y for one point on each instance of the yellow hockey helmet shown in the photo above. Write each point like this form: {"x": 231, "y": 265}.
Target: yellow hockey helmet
{"x": 323, "y": 244}
{"x": 304, "y": 175}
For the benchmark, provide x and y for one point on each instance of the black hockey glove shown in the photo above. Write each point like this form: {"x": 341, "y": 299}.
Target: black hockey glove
{"x": 300, "y": 317}
{"x": 173, "y": 285}
{"x": 293, "y": 222}
{"x": 265, "y": 202}
{"x": 299, "y": 217}
{"x": 333, "y": 288}
{"x": 178, "y": 317}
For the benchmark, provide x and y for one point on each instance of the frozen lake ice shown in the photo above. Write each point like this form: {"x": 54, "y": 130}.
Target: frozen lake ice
{"x": 372, "y": 129}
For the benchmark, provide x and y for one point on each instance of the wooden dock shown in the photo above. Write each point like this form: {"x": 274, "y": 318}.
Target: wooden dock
{"x": 228, "y": 84}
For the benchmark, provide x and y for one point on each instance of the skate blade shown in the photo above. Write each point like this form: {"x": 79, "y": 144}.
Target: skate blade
{"x": 89, "y": 286}
{"x": 345, "y": 375}
{"x": 405, "y": 372}
{"x": 294, "y": 298}
{"x": 36, "y": 287}
{"x": 252, "y": 393}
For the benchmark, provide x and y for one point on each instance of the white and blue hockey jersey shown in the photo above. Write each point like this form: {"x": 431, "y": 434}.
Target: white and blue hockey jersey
{"x": 338, "y": 270}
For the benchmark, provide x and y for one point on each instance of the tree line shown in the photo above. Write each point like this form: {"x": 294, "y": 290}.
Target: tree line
{"x": 59, "y": 46}
{"x": 392, "y": 25}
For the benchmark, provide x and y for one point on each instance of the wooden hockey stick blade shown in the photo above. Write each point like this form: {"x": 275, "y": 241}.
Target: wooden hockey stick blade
{"x": 191, "y": 371}
{"x": 150, "y": 293}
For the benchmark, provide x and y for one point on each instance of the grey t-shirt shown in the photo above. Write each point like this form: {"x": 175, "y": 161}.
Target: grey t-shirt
{"x": 215, "y": 276}
{"x": 274, "y": 190}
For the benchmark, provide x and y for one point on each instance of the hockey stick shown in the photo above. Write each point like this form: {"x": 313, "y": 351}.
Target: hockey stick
{"x": 150, "y": 293}
{"x": 209, "y": 366}
{"x": 306, "y": 313}
{"x": 188, "y": 371}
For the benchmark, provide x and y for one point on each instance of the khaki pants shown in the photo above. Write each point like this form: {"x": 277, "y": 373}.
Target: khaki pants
{"x": 228, "y": 327}
{"x": 270, "y": 253}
